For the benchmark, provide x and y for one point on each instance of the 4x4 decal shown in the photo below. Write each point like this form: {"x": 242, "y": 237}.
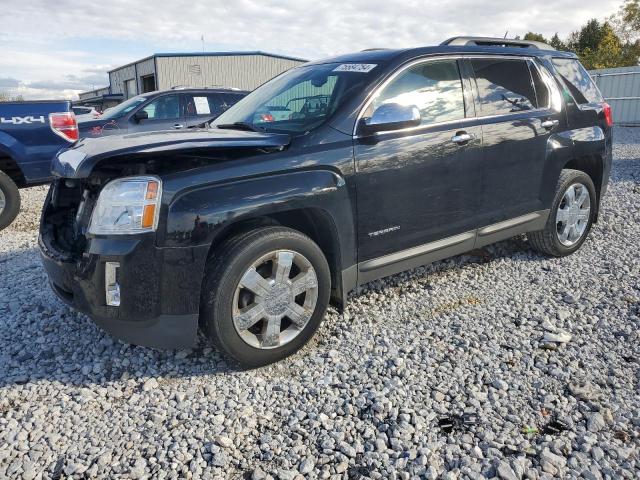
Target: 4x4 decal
{"x": 20, "y": 120}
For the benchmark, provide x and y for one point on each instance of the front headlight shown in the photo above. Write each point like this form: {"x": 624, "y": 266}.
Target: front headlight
{"x": 126, "y": 206}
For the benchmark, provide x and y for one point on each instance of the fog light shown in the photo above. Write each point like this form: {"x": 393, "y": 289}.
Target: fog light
{"x": 111, "y": 286}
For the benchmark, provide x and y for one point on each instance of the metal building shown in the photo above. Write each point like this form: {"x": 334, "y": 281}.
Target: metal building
{"x": 160, "y": 71}
{"x": 621, "y": 89}
{"x": 101, "y": 97}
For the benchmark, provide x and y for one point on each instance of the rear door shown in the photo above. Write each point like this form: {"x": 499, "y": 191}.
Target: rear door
{"x": 518, "y": 112}
{"x": 421, "y": 184}
{"x": 202, "y": 107}
{"x": 164, "y": 112}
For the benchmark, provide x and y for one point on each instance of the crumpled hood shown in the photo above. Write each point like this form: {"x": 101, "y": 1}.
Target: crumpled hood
{"x": 79, "y": 160}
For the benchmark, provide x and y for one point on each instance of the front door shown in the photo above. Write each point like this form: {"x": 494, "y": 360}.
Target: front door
{"x": 419, "y": 185}
{"x": 163, "y": 113}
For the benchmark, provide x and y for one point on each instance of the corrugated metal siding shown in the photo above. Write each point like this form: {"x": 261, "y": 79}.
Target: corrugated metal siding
{"x": 621, "y": 89}
{"x": 246, "y": 72}
{"x": 93, "y": 93}
{"x": 144, "y": 68}
{"x": 118, "y": 77}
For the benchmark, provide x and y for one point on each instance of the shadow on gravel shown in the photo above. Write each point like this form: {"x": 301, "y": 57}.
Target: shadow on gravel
{"x": 515, "y": 249}
{"x": 626, "y": 170}
{"x": 43, "y": 339}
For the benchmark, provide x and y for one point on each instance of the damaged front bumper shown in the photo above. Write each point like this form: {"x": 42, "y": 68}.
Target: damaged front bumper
{"x": 159, "y": 287}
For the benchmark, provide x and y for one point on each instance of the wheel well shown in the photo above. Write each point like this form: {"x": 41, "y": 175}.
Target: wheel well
{"x": 593, "y": 166}
{"x": 9, "y": 166}
{"x": 313, "y": 222}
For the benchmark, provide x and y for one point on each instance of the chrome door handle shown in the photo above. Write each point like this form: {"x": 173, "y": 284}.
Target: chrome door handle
{"x": 461, "y": 138}
{"x": 178, "y": 126}
{"x": 549, "y": 124}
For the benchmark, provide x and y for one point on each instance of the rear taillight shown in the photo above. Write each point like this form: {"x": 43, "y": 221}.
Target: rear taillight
{"x": 608, "y": 116}
{"x": 65, "y": 125}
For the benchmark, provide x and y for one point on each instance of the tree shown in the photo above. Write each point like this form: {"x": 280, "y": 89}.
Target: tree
{"x": 5, "y": 97}
{"x": 536, "y": 37}
{"x": 588, "y": 37}
{"x": 556, "y": 43}
{"x": 630, "y": 13}
{"x": 608, "y": 52}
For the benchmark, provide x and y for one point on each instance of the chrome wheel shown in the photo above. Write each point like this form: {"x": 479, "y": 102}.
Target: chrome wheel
{"x": 3, "y": 201}
{"x": 572, "y": 217}
{"x": 275, "y": 299}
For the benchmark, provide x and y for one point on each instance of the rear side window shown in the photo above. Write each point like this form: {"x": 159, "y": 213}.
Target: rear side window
{"x": 201, "y": 104}
{"x": 210, "y": 105}
{"x": 504, "y": 85}
{"x": 542, "y": 90}
{"x": 434, "y": 87}
{"x": 227, "y": 100}
{"x": 577, "y": 80}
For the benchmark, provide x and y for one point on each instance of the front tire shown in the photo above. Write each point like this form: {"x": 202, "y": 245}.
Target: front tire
{"x": 265, "y": 294}
{"x": 571, "y": 217}
{"x": 9, "y": 200}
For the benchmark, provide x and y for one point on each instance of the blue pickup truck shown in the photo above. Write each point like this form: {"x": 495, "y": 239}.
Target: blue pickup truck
{"x": 31, "y": 133}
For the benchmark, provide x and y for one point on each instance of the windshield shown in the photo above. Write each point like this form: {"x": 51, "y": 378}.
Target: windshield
{"x": 124, "y": 107}
{"x": 299, "y": 100}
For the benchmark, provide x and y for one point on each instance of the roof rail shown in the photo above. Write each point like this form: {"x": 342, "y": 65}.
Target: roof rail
{"x": 496, "y": 42}
{"x": 374, "y": 49}
{"x": 223, "y": 87}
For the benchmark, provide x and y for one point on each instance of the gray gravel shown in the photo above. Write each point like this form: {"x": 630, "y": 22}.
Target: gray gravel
{"x": 533, "y": 361}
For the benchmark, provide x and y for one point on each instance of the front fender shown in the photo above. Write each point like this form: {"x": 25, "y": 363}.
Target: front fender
{"x": 197, "y": 216}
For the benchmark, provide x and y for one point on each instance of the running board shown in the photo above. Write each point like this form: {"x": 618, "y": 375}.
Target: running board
{"x": 448, "y": 247}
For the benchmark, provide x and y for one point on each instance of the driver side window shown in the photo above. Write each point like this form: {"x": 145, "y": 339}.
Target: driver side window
{"x": 164, "y": 108}
{"x": 434, "y": 87}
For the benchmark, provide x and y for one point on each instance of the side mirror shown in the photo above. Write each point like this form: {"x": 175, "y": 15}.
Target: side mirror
{"x": 141, "y": 115}
{"x": 392, "y": 116}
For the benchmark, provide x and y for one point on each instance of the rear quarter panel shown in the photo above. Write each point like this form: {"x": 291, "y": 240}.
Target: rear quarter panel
{"x": 586, "y": 134}
{"x": 26, "y": 137}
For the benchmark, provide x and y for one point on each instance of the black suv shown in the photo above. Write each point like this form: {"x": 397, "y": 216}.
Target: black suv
{"x": 174, "y": 109}
{"x": 385, "y": 160}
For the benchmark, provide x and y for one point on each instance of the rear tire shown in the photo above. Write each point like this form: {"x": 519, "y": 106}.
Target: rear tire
{"x": 9, "y": 200}
{"x": 551, "y": 240}
{"x": 251, "y": 308}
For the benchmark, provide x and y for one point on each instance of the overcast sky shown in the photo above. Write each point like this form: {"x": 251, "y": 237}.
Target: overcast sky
{"x": 54, "y": 49}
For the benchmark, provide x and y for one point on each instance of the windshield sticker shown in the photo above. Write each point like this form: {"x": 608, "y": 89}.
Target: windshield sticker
{"x": 355, "y": 67}
{"x": 202, "y": 105}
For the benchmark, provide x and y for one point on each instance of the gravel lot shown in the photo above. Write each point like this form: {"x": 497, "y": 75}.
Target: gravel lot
{"x": 461, "y": 342}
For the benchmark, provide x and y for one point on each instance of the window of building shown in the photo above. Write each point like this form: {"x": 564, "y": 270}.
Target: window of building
{"x": 148, "y": 83}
